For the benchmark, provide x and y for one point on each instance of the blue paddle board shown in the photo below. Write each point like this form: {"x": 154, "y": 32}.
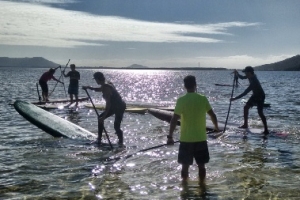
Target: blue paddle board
{"x": 50, "y": 123}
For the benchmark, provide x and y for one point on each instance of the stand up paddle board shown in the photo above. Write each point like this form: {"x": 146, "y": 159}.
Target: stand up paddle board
{"x": 59, "y": 101}
{"x": 59, "y": 106}
{"x": 50, "y": 123}
{"x": 167, "y": 116}
{"x": 266, "y": 104}
{"x": 128, "y": 109}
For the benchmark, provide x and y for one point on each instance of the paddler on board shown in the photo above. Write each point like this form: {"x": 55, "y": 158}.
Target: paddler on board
{"x": 257, "y": 98}
{"x": 47, "y": 76}
{"x": 114, "y": 105}
{"x": 74, "y": 83}
{"x": 191, "y": 109}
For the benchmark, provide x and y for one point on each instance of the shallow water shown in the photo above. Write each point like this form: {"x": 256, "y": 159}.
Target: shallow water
{"x": 35, "y": 165}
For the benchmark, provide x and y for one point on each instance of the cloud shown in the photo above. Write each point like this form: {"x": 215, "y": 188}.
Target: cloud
{"x": 39, "y": 25}
{"x": 45, "y": 1}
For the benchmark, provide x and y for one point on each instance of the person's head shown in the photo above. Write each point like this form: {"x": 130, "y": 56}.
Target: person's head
{"x": 99, "y": 77}
{"x": 52, "y": 71}
{"x": 249, "y": 71}
{"x": 72, "y": 66}
{"x": 190, "y": 82}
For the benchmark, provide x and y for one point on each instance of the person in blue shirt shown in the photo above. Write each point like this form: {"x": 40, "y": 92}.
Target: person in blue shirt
{"x": 257, "y": 98}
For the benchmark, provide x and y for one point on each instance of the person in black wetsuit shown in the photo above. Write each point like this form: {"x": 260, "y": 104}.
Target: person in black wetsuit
{"x": 257, "y": 98}
{"x": 114, "y": 105}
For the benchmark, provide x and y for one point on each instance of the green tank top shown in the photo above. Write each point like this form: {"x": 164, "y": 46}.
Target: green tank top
{"x": 192, "y": 109}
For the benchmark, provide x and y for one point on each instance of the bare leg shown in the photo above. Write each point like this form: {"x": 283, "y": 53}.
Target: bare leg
{"x": 263, "y": 119}
{"x": 185, "y": 172}
{"x": 45, "y": 96}
{"x": 76, "y": 99}
{"x": 202, "y": 174}
{"x": 246, "y": 113}
{"x": 71, "y": 98}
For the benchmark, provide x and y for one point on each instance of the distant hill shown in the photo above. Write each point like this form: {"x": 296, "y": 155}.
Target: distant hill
{"x": 136, "y": 66}
{"x": 289, "y": 64}
{"x": 26, "y": 62}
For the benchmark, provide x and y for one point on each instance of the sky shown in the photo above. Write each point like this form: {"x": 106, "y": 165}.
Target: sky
{"x": 153, "y": 33}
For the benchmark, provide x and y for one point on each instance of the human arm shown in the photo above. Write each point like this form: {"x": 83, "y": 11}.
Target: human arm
{"x": 236, "y": 73}
{"x": 57, "y": 80}
{"x": 97, "y": 89}
{"x": 173, "y": 124}
{"x": 214, "y": 119}
{"x": 241, "y": 95}
{"x": 65, "y": 75}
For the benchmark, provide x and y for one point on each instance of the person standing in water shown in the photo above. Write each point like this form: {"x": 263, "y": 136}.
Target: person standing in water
{"x": 257, "y": 98}
{"x": 114, "y": 106}
{"x": 191, "y": 109}
{"x": 43, "y": 82}
{"x": 74, "y": 83}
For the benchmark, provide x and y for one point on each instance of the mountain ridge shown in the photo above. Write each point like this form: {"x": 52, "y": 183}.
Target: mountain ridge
{"x": 26, "y": 62}
{"x": 289, "y": 64}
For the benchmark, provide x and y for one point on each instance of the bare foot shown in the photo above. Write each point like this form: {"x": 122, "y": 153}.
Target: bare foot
{"x": 266, "y": 132}
{"x": 243, "y": 126}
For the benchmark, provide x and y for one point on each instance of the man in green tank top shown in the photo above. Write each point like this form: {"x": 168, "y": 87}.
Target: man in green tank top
{"x": 191, "y": 109}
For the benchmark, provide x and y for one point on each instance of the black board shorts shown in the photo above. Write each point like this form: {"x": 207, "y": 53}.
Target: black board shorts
{"x": 44, "y": 86}
{"x": 190, "y": 150}
{"x": 256, "y": 101}
{"x": 73, "y": 90}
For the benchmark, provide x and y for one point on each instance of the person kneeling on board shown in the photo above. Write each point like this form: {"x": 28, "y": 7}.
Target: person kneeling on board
{"x": 47, "y": 76}
{"x": 191, "y": 109}
{"x": 73, "y": 86}
{"x": 257, "y": 98}
{"x": 114, "y": 105}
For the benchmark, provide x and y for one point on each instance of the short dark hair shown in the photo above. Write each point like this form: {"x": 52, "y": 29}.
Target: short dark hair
{"x": 51, "y": 70}
{"x": 99, "y": 76}
{"x": 72, "y": 65}
{"x": 248, "y": 69}
{"x": 189, "y": 82}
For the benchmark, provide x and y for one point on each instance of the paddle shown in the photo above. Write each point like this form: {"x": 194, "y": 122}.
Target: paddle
{"x": 155, "y": 147}
{"x": 98, "y": 117}
{"x": 234, "y": 79}
{"x": 61, "y": 74}
{"x": 37, "y": 88}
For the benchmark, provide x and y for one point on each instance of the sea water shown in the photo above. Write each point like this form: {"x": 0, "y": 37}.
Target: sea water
{"x": 34, "y": 165}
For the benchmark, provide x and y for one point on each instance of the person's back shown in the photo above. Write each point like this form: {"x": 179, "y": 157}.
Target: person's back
{"x": 192, "y": 108}
{"x": 48, "y": 75}
{"x": 116, "y": 99}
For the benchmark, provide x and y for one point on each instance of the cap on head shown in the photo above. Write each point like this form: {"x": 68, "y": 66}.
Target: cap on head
{"x": 99, "y": 76}
{"x": 248, "y": 69}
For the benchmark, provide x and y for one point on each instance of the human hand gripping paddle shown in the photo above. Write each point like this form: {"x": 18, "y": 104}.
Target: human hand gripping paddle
{"x": 98, "y": 116}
